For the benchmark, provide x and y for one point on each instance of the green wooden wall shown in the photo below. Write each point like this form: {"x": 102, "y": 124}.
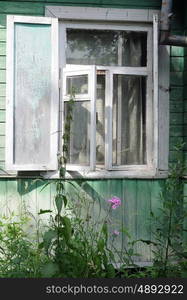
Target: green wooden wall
{"x": 139, "y": 197}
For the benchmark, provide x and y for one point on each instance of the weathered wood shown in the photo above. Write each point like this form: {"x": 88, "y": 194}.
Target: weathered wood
{"x": 176, "y": 118}
{"x": 163, "y": 107}
{"x": 173, "y": 156}
{"x": 2, "y": 116}
{"x": 185, "y": 118}
{"x": 103, "y": 14}
{"x": 2, "y": 102}
{"x": 32, "y": 71}
{"x": 13, "y": 197}
{"x": 43, "y": 200}
{"x": 2, "y": 48}
{"x": 176, "y": 93}
{"x": 2, "y": 76}
{"x": 173, "y": 141}
{"x": 2, "y": 89}
{"x": 2, "y": 154}
{"x": 176, "y": 78}
{"x": 3, "y": 196}
{"x": 2, "y": 62}
{"x": 13, "y": 7}
{"x": 127, "y": 3}
{"x": 177, "y": 64}
{"x": 143, "y": 217}
{"x": 176, "y": 106}
{"x": 2, "y": 129}
{"x": 129, "y": 190}
{"x": 2, "y": 141}
{"x": 2, "y": 34}
{"x": 176, "y": 130}
{"x": 177, "y": 51}
{"x": 2, "y": 20}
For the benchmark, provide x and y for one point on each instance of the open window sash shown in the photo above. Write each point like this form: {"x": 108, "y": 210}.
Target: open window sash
{"x": 79, "y": 82}
{"x": 32, "y": 93}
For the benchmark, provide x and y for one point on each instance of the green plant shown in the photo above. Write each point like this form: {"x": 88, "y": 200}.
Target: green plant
{"x": 19, "y": 252}
{"x": 169, "y": 247}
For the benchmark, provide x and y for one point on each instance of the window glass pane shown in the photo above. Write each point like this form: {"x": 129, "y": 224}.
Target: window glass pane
{"x": 79, "y": 145}
{"x": 32, "y": 93}
{"x": 106, "y": 47}
{"x": 129, "y": 94}
{"x": 100, "y": 120}
{"x": 77, "y": 84}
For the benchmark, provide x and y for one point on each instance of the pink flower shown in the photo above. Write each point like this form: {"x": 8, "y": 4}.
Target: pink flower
{"x": 115, "y": 232}
{"x": 115, "y": 202}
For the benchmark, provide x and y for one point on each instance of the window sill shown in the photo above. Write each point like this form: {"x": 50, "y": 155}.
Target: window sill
{"x": 103, "y": 174}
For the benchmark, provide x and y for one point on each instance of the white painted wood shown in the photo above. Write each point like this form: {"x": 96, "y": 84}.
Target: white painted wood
{"x": 163, "y": 119}
{"x": 93, "y": 85}
{"x": 90, "y": 71}
{"x": 29, "y": 19}
{"x": 11, "y": 139}
{"x": 155, "y": 90}
{"x": 149, "y": 102}
{"x": 108, "y": 26}
{"x": 102, "y": 14}
{"x": 108, "y": 120}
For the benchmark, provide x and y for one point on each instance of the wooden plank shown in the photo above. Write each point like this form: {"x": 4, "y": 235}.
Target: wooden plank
{"x": 156, "y": 187}
{"x": 177, "y": 64}
{"x": 185, "y": 106}
{"x": 2, "y": 116}
{"x": 2, "y": 20}
{"x": 185, "y": 130}
{"x": 176, "y": 118}
{"x": 2, "y": 154}
{"x": 185, "y": 92}
{"x": 173, "y": 156}
{"x": 2, "y": 89}
{"x": 92, "y": 13}
{"x": 2, "y": 62}
{"x": 3, "y": 197}
{"x": 2, "y": 48}
{"x": 185, "y": 79}
{"x": 2, "y": 76}
{"x": 43, "y": 200}
{"x": 28, "y": 192}
{"x": 13, "y": 7}
{"x": 173, "y": 141}
{"x": 2, "y": 34}
{"x": 185, "y": 118}
{"x": 163, "y": 106}
{"x": 143, "y": 217}
{"x": 176, "y": 93}
{"x": 129, "y": 208}
{"x": 116, "y": 216}
{"x": 176, "y": 78}
{"x": 177, "y": 51}
{"x": 128, "y": 3}
{"x": 176, "y": 106}
{"x": 39, "y": 64}
{"x": 176, "y": 130}
{"x": 2, "y": 128}
{"x": 2, "y": 141}
{"x": 2, "y": 102}
{"x": 14, "y": 203}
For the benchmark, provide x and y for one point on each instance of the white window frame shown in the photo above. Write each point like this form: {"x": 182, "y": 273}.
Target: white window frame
{"x": 109, "y": 18}
{"x": 146, "y": 20}
{"x": 90, "y": 71}
{"x": 53, "y": 163}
